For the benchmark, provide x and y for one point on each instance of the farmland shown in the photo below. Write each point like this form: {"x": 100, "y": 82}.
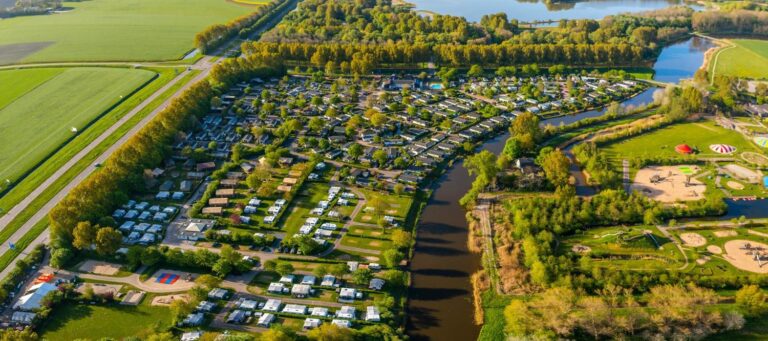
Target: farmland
{"x": 747, "y": 58}
{"x": 112, "y": 30}
{"x": 50, "y": 110}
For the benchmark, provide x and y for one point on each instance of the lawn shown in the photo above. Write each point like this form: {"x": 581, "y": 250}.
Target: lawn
{"x": 748, "y": 58}
{"x": 113, "y": 30}
{"x": 396, "y": 206}
{"x": 79, "y": 321}
{"x": 662, "y": 142}
{"x": 40, "y": 121}
{"x": 16, "y": 83}
{"x": 373, "y": 244}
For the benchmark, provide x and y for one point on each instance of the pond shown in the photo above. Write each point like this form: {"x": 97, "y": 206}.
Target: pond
{"x": 528, "y": 11}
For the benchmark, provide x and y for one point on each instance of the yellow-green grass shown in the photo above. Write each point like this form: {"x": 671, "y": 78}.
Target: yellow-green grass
{"x": 53, "y": 163}
{"x": 373, "y": 244}
{"x": 113, "y": 30}
{"x": 662, "y": 142}
{"x": 395, "y": 205}
{"x": 16, "y": 83}
{"x": 71, "y": 321}
{"x": 252, "y": 2}
{"x": 40, "y": 121}
{"x": 748, "y": 58}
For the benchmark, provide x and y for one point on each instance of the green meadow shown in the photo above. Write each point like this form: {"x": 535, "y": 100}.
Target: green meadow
{"x": 36, "y": 122}
{"x": 113, "y": 30}
{"x": 81, "y": 321}
{"x": 748, "y": 58}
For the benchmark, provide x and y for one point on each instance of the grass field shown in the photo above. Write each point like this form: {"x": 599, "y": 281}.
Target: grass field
{"x": 748, "y": 59}
{"x": 662, "y": 142}
{"x": 39, "y": 121}
{"x": 78, "y": 321}
{"x": 113, "y": 30}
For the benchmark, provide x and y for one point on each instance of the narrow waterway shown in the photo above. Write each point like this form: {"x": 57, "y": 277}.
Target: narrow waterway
{"x": 440, "y": 306}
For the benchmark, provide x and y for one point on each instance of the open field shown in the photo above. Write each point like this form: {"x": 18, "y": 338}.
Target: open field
{"x": 662, "y": 142}
{"x": 16, "y": 83}
{"x": 39, "y": 121}
{"x": 112, "y": 30}
{"x": 748, "y": 59}
{"x": 80, "y": 321}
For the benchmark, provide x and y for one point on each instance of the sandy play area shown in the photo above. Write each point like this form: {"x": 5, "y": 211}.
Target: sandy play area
{"x": 667, "y": 183}
{"x": 99, "y": 268}
{"x": 735, "y": 185}
{"x": 757, "y": 233}
{"x": 693, "y": 239}
{"x": 167, "y": 299}
{"x": 742, "y": 257}
{"x": 714, "y": 249}
{"x": 725, "y": 233}
{"x": 578, "y": 248}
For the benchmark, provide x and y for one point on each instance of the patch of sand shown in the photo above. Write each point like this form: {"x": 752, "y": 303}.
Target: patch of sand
{"x": 735, "y": 185}
{"x": 164, "y": 301}
{"x": 758, "y": 233}
{"x": 372, "y": 258}
{"x": 714, "y": 249}
{"x": 671, "y": 187}
{"x": 391, "y": 211}
{"x": 702, "y": 260}
{"x": 578, "y": 248}
{"x": 693, "y": 239}
{"x": 725, "y": 233}
{"x": 374, "y": 243}
{"x": 99, "y": 268}
{"x": 367, "y": 218}
{"x": 740, "y": 257}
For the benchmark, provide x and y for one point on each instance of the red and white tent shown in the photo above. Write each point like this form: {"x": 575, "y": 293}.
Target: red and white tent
{"x": 722, "y": 148}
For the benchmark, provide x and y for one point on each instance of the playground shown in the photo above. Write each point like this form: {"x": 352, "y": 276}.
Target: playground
{"x": 99, "y": 268}
{"x": 669, "y": 183}
{"x": 747, "y": 255}
{"x": 165, "y": 279}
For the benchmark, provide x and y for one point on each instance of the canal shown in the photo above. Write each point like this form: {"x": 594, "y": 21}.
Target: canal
{"x": 440, "y": 306}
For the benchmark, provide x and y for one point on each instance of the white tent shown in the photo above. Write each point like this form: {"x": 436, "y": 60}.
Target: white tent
{"x": 31, "y": 300}
{"x": 722, "y": 148}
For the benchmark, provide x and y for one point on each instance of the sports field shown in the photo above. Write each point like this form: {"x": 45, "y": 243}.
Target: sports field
{"x": 662, "y": 142}
{"x": 38, "y": 115}
{"x": 748, "y": 58}
{"x": 113, "y": 30}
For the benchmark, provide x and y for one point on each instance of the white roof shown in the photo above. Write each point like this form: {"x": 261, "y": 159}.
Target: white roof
{"x": 347, "y": 312}
{"x": 266, "y": 319}
{"x": 34, "y": 296}
{"x": 319, "y": 311}
{"x": 295, "y": 309}
{"x": 272, "y": 305}
{"x": 342, "y": 323}
{"x": 194, "y": 227}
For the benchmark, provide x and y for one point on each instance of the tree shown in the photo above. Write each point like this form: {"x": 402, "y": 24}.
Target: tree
{"x": 512, "y": 148}
{"x": 330, "y": 332}
{"x": 108, "y": 240}
{"x": 752, "y": 300}
{"x": 277, "y": 334}
{"x": 270, "y": 265}
{"x": 380, "y": 156}
{"x": 60, "y": 257}
{"x": 320, "y": 271}
{"x": 401, "y": 239}
{"x": 525, "y": 128}
{"x": 362, "y": 276}
{"x": 151, "y": 256}
{"x": 84, "y": 235}
{"x": 355, "y": 151}
{"x": 475, "y": 71}
{"x": 284, "y": 268}
{"x": 392, "y": 257}
{"x": 316, "y": 125}
{"x": 339, "y": 270}
{"x": 399, "y": 189}
{"x": 133, "y": 256}
{"x": 555, "y": 165}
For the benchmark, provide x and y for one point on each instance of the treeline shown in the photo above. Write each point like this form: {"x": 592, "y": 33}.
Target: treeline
{"x": 738, "y": 22}
{"x": 213, "y": 36}
{"x": 121, "y": 175}
{"x": 29, "y": 7}
{"x": 20, "y": 271}
{"x": 667, "y": 312}
{"x": 363, "y": 58}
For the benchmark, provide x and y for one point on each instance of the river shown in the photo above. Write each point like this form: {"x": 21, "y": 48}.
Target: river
{"x": 440, "y": 306}
{"x": 531, "y": 10}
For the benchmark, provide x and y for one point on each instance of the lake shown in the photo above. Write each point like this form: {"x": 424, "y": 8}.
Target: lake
{"x": 527, "y": 11}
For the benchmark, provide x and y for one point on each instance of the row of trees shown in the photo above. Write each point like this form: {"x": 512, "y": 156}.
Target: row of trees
{"x": 215, "y": 35}
{"x": 363, "y": 58}
{"x": 739, "y": 22}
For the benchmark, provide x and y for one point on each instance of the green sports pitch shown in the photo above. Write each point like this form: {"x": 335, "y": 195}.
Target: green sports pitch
{"x": 113, "y": 30}
{"x": 41, "y": 109}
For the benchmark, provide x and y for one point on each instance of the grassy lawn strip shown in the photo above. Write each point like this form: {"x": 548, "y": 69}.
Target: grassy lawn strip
{"x": 85, "y": 162}
{"x": 39, "y": 122}
{"x": 81, "y": 321}
{"x": 748, "y": 59}
{"x": 16, "y": 83}
{"x": 114, "y": 30}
